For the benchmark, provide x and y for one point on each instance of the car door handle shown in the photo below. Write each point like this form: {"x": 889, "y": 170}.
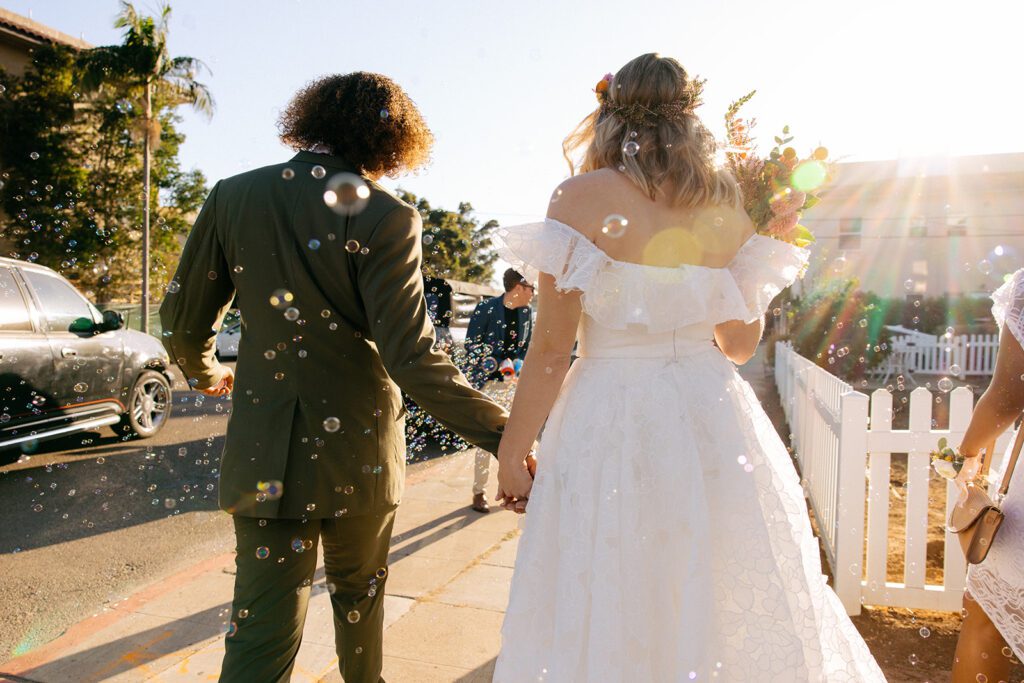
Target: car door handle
{"x": 68, "y": 352}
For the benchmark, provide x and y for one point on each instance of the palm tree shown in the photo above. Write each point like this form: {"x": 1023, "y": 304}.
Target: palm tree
{"x": 141, "y": 68}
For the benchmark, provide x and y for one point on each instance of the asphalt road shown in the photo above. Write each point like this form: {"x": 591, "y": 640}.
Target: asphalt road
{"x": 89, "y": 518}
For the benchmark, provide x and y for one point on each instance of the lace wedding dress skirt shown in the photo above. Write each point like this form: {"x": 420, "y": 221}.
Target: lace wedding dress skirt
{"x": 667, "y": 537}
{"x": 998, "y": 582}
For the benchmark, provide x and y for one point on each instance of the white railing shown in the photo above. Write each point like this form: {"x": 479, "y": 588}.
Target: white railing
{"x": 966, "y": 355}
{"x": 837, "y": 448}
{"x": 827, "y": 420}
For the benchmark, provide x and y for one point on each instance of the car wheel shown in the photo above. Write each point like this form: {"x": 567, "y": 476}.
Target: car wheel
{"x": 149, "y": 405}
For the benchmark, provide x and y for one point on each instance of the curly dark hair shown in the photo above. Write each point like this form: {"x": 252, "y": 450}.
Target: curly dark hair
{"x": 365, "y": 118}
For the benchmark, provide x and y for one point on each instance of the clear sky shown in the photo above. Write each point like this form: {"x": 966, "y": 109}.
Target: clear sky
{"x": 500, "y": 83}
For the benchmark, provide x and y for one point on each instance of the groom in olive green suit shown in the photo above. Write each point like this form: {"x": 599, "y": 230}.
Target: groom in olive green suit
{"x": 326, "y": 267}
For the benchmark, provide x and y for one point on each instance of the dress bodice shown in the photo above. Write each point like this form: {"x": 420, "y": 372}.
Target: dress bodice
{"x": 633, "y": 310}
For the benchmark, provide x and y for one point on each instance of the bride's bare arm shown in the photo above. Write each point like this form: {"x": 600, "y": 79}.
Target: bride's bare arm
{"x": 547, "y": 362}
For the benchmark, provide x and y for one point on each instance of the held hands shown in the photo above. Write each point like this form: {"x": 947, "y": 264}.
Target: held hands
{"x": 224, "y": 386}
{"x": 515, "y": 480}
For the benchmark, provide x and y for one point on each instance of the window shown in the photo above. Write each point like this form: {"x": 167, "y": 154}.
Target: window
{"x": 849, "y": 234}
{"x": 61, "y": 303}
{"x": 918, "y": 227}
{"x": 957, "y": 226}
{"x": 14, "y": 315}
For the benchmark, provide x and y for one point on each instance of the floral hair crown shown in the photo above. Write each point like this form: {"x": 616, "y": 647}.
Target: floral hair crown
{"x": 641, "y": 115}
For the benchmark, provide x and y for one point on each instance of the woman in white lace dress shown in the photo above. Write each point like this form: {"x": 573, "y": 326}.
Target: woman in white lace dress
{"x": 993, "y": 630}
{"x": 666, "y": 537}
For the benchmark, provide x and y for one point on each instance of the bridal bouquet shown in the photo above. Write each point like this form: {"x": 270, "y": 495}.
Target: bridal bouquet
{"x": 778, "y": 189}
{"x": 946, "y": 461}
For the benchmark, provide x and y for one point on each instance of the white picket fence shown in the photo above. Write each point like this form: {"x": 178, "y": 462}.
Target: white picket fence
{"x": 966, "y": 355}
{"x": 844, "y": 444}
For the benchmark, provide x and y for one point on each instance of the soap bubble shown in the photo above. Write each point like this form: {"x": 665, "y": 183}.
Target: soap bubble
{"x": 809, "y": 176}
{"x": 615, "y": 225}
{"x": 955, "y": 370}
{"x": 271, "y": 490}
{"x": 34, "y": 156}
{"x": 353, "y": 616}
{"x": 332, "y": 424}
{"x": 908, "y": 285}
{"x": 346, "y": 194}
{"x": 281, "y": 298}
{"x": 352, "y": 246}
{"x": 318, "y": 172}
{"x": 945, "y": 385}
{"x": 925, "y": 631}
{"x": 291, "y": 314}
{"x": 631, "y": 148}
{"x": 985, "y": 267}
{"x": 262, "y": 553}
{"x": 287, "y": 174}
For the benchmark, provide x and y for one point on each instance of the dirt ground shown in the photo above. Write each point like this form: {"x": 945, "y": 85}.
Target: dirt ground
{"x": 909, "y": 645}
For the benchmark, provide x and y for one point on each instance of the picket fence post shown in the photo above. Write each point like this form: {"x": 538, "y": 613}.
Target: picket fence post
{"x": 849, "y": 534}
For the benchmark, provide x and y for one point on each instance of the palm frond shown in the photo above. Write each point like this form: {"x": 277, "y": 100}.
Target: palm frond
{"x": 128, "y": 18}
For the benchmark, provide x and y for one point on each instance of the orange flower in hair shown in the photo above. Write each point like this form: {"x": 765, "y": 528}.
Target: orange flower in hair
{"x": 602, "y": 87}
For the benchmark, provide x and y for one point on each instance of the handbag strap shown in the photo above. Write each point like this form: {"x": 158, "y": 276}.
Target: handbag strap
{"x": 1008, "y": 474}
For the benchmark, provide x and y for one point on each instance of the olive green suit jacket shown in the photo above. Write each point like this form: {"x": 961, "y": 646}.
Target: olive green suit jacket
{"x": 334, "y": 323}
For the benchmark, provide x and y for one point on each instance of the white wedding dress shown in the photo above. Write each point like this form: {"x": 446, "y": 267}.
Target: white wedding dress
{"x": 666, "y": 537}
{"x": 998, "y": 582}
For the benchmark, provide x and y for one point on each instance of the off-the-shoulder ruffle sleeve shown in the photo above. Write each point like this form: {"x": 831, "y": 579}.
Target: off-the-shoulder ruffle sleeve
{"x": 618, "y": 294}
{"x": 762, "y": 268}
{"x": 1008, "y": 305}
{"x": 553, "y": 248}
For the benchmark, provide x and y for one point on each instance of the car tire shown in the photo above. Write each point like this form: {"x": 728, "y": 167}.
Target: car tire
{"x": 149, "y": 405}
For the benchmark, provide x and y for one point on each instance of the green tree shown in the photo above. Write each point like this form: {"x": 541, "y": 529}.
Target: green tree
{"x": 141, "y": 70}
{"x": 72, "y": 166}
{"x": 841, "y": 328}
{"x": 455, "y": 244}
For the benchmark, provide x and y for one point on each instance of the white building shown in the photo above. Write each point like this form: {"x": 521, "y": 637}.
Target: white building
{"x": 921, "y": 226}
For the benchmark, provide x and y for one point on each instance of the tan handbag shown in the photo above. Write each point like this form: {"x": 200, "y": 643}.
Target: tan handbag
{"x": 977, "y": 520}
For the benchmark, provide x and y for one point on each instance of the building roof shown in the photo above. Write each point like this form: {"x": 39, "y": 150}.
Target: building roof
{"x": 866, "y": 172}
{"x": 26, "y": 31}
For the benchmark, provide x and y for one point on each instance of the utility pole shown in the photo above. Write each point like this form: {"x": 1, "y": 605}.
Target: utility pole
{"x": 145, "y": 204}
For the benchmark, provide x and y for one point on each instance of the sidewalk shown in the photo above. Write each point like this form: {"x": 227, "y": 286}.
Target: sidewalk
{"x": 448, "y": 582}
{"x": 447, "y": 589}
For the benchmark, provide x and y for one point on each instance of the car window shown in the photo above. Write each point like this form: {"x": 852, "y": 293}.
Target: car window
{"x": 61, "y": 303}
{"x": 14, "y": 315}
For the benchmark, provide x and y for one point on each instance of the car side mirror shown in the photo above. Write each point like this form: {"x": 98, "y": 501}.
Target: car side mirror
{"x": 82, "y": 326}
{"x": 112, "y": 320}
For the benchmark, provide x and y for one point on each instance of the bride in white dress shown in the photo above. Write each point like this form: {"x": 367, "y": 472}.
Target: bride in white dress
{"x": 666, "y": 537}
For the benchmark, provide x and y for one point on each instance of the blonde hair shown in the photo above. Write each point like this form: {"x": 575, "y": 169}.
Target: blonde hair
{"x": 676, "y": 153}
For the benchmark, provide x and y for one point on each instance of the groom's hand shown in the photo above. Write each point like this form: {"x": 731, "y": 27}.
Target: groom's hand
{"x": 224, "y": 386}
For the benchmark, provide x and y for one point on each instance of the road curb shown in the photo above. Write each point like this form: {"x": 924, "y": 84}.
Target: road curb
{"x": 87, "y": 627}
